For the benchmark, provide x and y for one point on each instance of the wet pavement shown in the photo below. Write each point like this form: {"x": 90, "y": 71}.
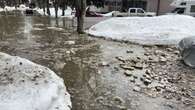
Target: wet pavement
{"x": 91, "y": 71}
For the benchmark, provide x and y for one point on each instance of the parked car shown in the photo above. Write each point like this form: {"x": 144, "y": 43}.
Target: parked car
{"x": 186, "y": 7}
{"x": 133, "y": 12}
{"x": 92, "y": 13}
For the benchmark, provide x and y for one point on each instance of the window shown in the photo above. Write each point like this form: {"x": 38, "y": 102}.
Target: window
{"x": 183, "y": 3}
{"x": 192, "y": 9}
{"x": 140, "y": 11}
{"x": 179, "y": 10}
{"x": 132, "y": 11}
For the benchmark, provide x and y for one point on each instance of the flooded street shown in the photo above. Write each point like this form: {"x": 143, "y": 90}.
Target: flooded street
{"x": 89, "y": 66}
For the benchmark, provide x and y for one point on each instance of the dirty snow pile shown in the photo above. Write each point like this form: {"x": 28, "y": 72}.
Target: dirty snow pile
{"x": 8, "y": 8}
{"x": 166, "y": 29}
{"x": 68, "y": 12}
{"x": 27, "y": 86}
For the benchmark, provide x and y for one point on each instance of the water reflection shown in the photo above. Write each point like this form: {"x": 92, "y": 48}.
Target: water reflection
{"x": 44, "y": 41}
{"x": 31, "y": 38}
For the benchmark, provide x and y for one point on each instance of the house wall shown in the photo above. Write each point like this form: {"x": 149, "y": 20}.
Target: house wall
{"x": 151, "y": 5}
{"x": 164, "y": 6}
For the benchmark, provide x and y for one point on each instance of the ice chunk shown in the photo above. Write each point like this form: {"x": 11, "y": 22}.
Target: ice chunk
{"x": 187, "y": 49}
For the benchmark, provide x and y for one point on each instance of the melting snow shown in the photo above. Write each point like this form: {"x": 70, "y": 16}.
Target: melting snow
{"x": 68, "y": 12}
{"x": 167, "y": 29}
{"x": 27, "y": 86}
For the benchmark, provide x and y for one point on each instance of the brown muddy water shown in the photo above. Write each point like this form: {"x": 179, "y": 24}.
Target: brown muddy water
{"x": 88, "y": 65}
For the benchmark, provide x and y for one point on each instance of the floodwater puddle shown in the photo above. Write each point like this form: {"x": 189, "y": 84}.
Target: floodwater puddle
{"x": 88, "y": 65}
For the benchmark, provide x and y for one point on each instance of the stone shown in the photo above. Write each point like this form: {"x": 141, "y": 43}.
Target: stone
{"x": 168, "y": 96}
{"x": 116, "y": 68}
{"x": 135, "y": 77}
{"x": 138, "y": 66}
{"x": 121, "y": 59}
{"x": 171, "y": 89}
{"x": 119, "y": 100}
{"x": 188, "y": 102}
{"x": 59, "y": 65}
{"x": 68, "y": 52}
{"x": 150, "y": 58}
{"x": 70, "y": 42}
{"x": 138, "y": 83}
{"x": 146, "y": 76}
{"x": 129, "y": 51}
{"x": 132, "y": 80}
{"x": 121, "y": 107}
{"x": 158, "y": 52}
{"x": 138, "y": 58}
{"x": 99, "y": 99}
{"x": 127, "y": 67}
{"x": 176, "y": 52}
{"x": 135, "y": 61}
{"x": 158, "y": 88}
{"x": 169, "y": 49}
{"x": 104, "y": 64}
{"x": 128, "y": 73}
{"x": 146, "y": 81}
{"x": 162, "y": 59}
{"x": 147, "y": 54}
{"x": 136, "y": 89}
{"x": 148, "y": 72}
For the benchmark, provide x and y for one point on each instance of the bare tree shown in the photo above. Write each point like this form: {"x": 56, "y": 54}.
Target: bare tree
{"x": 56, "y": 5}
{"x": 48, "y": 5}
{"x": 63, "y": 6}
{"x": 44, "y": 5}
{"x": 80, "y": 14}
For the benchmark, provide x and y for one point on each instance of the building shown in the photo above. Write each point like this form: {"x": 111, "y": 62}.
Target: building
{"x": 159, "y": 6}
{"x": 164, "y": 6}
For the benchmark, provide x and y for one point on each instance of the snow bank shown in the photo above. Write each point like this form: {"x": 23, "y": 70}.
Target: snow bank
{"x": 68, "y": 12}
{"x": 167, "y": 29}
{"x": 108, "y": 14}
{"x": 27, "y": 86}
{"x": 8, "y": 8}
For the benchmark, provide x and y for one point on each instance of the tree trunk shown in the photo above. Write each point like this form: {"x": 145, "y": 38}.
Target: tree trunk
{"x": 80, "y": 14}
{"x": 43, "y": 5}
{"x": 56, "y": 8}
{"x": 63, "y": 7}
{"x": 158, "y": 8}
{"x": 48, "y": 11}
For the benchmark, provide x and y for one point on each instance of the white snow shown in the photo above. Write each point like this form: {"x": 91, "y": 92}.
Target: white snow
{"x": 163, "y": 30}
{"x": 68, "y": 12}
{"x": 108, "y": 14}
{"x": 25, "y": 85}
{"x": 8, "y": 8}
